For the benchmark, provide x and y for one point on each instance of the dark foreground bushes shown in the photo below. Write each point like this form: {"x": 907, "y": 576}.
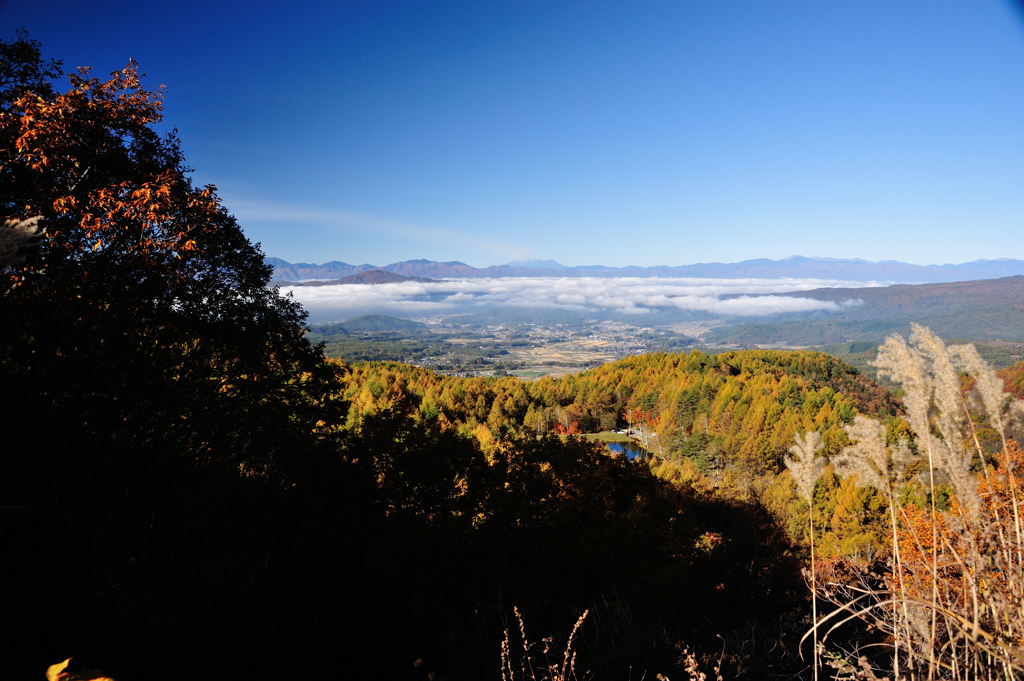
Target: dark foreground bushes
{"x": 409, "y": 543}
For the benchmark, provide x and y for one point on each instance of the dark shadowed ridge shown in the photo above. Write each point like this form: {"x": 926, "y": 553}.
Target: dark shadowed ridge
{"x": 374, "y": 323}
{"x": 798, "y": 267}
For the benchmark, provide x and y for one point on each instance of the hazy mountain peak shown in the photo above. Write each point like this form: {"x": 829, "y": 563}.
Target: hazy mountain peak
{"x": 534, "y": 263}
{"x": 824, "y": 259}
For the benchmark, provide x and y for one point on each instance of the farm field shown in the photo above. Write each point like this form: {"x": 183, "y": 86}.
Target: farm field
{"x": 572, "y": 354}
{"x": 527, "y": 350}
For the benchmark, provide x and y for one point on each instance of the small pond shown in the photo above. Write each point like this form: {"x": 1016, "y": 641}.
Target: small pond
{"x": 631, "y": 449}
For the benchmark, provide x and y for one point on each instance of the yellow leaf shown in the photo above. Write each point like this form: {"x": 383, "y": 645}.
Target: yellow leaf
{"x": 53, "y": 672}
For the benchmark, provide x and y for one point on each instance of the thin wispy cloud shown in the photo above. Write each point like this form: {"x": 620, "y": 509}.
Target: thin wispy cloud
{"x": 726, "y": 297}
{"x": 273, "y": 212}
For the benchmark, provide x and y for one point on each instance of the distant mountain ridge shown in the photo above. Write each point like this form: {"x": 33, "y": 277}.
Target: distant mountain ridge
{"x": 299, "y": 271}
{"x": 797, "y": 267}
{"x": 537, "y": 264}
{"x": 375, "y": 276}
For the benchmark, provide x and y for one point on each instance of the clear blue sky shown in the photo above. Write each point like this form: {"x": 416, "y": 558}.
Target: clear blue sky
{"x": 591, "y": 132}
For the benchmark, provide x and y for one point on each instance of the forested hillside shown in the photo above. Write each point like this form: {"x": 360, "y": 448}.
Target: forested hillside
{"x": 722, "y": 423}
{"x": 738, "y": 408}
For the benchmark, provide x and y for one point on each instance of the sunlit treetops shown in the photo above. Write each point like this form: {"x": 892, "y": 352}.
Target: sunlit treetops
{"x": 749, "y": 403}
{"x": 106, "y": 184}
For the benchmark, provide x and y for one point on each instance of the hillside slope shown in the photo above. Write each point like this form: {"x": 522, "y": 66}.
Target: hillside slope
{"x": 977, "y": 310}
{"x": 741, "y": 408}
{"x": 371, "y": 323}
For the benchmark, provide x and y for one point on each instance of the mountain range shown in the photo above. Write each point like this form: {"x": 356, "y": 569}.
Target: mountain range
{"x": 374, "y": 276}
{"x": 797, "y": 267}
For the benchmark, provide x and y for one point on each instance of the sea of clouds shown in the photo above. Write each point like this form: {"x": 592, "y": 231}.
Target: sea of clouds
{"x": 626, "y": 295}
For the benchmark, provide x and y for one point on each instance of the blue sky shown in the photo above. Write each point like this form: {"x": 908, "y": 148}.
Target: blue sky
{"x": 591, "y": 132}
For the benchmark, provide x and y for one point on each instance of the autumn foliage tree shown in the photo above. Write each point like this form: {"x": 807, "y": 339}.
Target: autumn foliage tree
{"x": 158, "y": 398}
{"x": 144, "y": 284}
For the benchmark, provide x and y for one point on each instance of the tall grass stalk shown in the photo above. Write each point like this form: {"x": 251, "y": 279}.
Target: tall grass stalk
{"x": 870, "y": 460}
{"x": 806, "y": 468}
{"x": 546, "y": 667}
{"x": 954, "y": 594}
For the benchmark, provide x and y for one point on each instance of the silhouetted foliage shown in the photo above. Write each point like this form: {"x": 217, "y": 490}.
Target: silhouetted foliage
{"x": 159, "y": 399}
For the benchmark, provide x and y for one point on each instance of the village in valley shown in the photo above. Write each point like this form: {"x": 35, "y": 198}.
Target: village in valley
{"x": 527, "y": 350}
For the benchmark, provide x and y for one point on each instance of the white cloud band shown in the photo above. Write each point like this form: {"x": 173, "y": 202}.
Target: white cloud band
{"x": 630, "y": 295}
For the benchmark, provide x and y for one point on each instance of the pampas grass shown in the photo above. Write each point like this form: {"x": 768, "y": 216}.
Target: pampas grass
{"x": 806, "y": 468}
{"x": 953, "y": 599}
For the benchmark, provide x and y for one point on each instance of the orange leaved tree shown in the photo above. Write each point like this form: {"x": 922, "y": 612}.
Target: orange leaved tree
{"x": 156, "y": 393}
{"x": 138, "y": 306}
